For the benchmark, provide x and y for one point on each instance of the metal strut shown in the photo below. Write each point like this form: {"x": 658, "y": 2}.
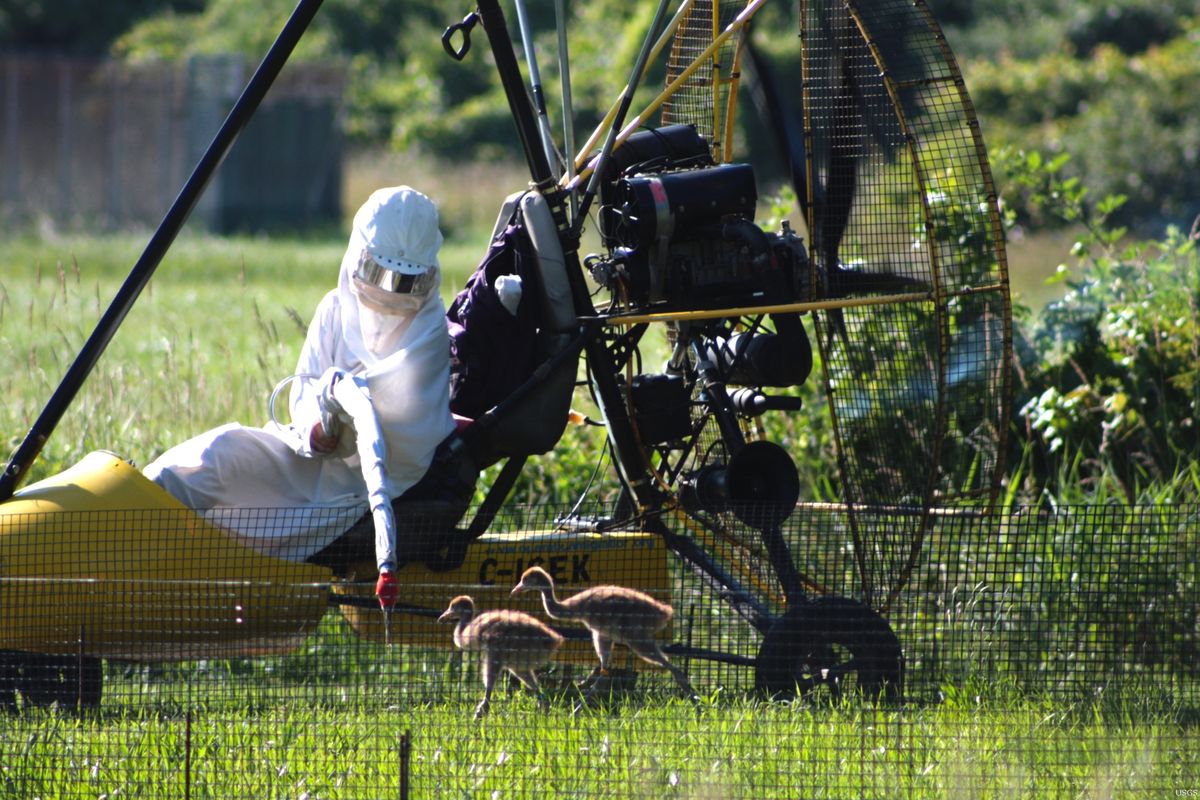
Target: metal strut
{"x": 25, "y": 454}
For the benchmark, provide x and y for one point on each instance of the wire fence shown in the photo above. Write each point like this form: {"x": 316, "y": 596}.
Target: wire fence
{"x": 1037, "y": 653}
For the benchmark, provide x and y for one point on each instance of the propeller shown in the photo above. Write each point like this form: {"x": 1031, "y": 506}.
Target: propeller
{"x": 840, "y": 149}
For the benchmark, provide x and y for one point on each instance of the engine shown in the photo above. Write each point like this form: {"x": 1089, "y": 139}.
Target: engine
{"x": 680, "y": 230}
{"x": 680, "y": 236}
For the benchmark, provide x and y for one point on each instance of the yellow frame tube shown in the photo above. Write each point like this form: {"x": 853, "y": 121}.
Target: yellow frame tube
{"x": 779, "y": 308}
{"x": 740, "y": 22}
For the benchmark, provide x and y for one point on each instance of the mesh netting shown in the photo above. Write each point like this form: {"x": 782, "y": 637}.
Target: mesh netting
{"x": 708, "y": 85}
{"x": 148, "y": 654}
{"x": 939, "y": 648}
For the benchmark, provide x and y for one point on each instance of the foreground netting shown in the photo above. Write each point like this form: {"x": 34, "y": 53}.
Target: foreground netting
{"x": 146, "y": 654}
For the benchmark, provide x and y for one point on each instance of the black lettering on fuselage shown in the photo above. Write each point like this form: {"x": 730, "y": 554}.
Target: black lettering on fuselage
{"x": 487, "y": 571}
{"x": 579, "y": 573}
{"x": 563, "y": 568}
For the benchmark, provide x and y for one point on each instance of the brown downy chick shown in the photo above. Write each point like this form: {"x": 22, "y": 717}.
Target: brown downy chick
{"x": 614, "y": 615}
{"x": 508, "y": 640}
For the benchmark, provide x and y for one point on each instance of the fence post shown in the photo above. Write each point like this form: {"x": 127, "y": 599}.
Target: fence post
{"x": 79, "y": 675}
{"x": 187, "y": 755}
{"x": 405, "y": 751}
{"x": 10, "y": 186}
{"x": 115, "y": 205}
{"x": 65, "y": 139}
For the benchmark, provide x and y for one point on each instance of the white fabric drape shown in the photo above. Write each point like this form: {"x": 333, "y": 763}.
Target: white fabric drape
{"x": 223, "y": 472}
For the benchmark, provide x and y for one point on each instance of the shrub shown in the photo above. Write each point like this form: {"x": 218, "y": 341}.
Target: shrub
{"x": 1131, "y": 28}
{"x": 1130, "y": 124}
{"x": 1108, "y": 377}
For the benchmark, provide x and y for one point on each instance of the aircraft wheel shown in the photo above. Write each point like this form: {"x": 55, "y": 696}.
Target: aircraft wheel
{"x": 42, "y": 680}
{"x": 833, "y": 644}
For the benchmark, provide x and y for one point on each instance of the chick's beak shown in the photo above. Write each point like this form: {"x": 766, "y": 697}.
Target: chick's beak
{"x": 520, "y": 587}
{"x": 445, "y": 617}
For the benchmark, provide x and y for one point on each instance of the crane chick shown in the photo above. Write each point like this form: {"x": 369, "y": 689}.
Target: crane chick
{"x": 614, "y": 615}
{"x": 509, "y": 640}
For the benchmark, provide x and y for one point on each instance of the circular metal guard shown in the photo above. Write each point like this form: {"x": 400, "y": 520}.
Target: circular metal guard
{"x": 913, "y": 318}
{"x": 899, "y": 195}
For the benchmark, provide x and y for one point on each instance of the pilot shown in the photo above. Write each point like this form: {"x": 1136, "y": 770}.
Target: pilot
{"x": 381, "y": 332}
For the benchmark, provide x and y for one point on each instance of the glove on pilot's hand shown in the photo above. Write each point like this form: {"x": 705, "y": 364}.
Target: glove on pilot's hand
{"x": 386, "y": 589}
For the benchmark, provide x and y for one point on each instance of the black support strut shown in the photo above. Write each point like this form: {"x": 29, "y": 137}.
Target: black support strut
{"x": 25, "y": 454}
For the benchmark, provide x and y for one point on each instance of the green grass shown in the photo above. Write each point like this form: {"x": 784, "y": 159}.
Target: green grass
{"x": 328, "y": 720}
{"x": 726, "y": 748}
{"x": 219, "y": 324}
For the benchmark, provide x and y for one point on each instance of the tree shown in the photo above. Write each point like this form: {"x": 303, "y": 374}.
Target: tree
{"x": 81, "y": 27}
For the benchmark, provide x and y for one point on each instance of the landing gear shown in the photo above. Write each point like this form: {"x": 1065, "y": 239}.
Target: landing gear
{"x": 43, "y": 680}
{"x": 831, "y": 644}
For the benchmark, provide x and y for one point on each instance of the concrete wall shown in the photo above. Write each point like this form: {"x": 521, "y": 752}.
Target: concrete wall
{"x": 100, "y": 145}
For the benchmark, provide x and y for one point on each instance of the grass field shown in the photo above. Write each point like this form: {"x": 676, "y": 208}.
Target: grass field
{"x": 332, "y": 719}
{"x": 247, "y": 734}
{"x": 220, "y": 323}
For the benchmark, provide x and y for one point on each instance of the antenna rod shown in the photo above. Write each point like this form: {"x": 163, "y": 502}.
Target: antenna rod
{"x": 535, "y": 85}
{"x": 568, "y": 109}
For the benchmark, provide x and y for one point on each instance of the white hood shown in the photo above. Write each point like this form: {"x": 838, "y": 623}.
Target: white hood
{"x": 395, "y": 224}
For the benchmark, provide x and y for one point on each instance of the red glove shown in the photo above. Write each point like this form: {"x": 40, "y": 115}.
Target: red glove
{"x": 386, "y": 589}
{"x": 320, "y": 441}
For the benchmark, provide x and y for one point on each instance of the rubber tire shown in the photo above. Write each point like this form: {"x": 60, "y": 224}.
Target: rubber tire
{"x": 805, "y": 640}
{"x": 43, "y": 680}
{"x": 10, "y": 678}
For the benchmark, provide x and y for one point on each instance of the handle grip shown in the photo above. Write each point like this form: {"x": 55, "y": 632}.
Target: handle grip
{"x": 752, "y": 402}
{"x": 464, "y": 27}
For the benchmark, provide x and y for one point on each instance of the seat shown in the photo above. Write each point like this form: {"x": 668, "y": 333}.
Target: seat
{"x": 532, "y": 419}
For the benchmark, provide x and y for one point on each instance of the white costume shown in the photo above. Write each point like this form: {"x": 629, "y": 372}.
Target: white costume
{"x": 393, "y": 345}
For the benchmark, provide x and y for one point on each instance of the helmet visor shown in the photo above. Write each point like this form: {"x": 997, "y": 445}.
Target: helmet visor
{"x": 394, "y": 274}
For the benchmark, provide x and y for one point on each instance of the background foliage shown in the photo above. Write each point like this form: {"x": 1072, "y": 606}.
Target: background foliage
{"x": 1107, "y": 375}
{"x": 1109, "y": 82}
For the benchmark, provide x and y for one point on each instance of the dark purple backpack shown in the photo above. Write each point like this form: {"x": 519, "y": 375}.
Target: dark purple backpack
{"x": 492, "y": 352}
